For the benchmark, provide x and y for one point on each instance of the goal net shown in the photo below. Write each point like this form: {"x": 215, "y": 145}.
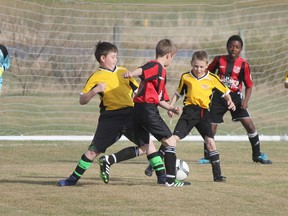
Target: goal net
{"x": 52, "y": 43}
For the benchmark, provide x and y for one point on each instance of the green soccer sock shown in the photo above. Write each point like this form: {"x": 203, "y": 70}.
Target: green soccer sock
{"x": 83, "y": 164}
{"x": 157, "y": 163}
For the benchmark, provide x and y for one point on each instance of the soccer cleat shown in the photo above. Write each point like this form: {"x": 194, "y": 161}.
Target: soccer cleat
{"x": 219, "y": 179}
{"x": 149, "y": 170}
{"x": 204, "y": 161}
{"x": 70, "y": 181}
{"x": 263, "y": 159}
{"x": 264, "y": 155}
{"x": 177, "y": 183}
{"x": 104, "y": 169}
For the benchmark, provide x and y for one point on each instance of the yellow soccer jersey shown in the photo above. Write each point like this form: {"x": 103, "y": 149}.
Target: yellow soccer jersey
{"x": 198, "y": 91}
{"x": 286, "y": 77}
{"x": 119, "y": 91}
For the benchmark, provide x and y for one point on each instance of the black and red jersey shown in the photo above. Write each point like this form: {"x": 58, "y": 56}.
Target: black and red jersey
{"x": 232, "y": 72}
{"x": 152, "y": 87}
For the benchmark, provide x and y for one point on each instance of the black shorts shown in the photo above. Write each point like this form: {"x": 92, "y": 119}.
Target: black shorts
{"x": 219, "y": 108}
{"x": 147, "y": 120}
{"x": 112, "y": 124}
{"x": 193, "y": 116}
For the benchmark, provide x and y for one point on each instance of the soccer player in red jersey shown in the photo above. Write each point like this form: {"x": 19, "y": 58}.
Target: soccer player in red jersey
{"x": 151, "y": 94}
{"x": 234, "y": 71}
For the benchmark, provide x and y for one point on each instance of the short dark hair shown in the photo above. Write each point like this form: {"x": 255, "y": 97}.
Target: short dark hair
{"x": 103, "y": 48}
{"x": 234, "y": 38}
{"x": 200, "y": 55}
{"x": 164, "y": 47}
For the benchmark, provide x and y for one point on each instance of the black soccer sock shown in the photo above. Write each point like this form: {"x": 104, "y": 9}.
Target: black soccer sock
{"x": 206, "y": 152}
{"x": 83, "y": 164}
{"x": 215, "y": 162}
{"x": 161, "y": 151}
{"x": 157, "y": 163}
{"x": 170, "y": 164}
{"x": 255, "y": 143}
{"x": 124, "y": 154}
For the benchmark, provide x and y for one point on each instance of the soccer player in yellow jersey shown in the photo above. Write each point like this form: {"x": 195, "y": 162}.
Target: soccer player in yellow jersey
{"x": 116, "y": 117}
{"x": 196, "y": 86}
{"x": 286, "y": 81}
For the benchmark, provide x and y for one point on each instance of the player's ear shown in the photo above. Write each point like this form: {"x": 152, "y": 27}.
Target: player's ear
{"x": 168, "y": 56}
{"x": 103, "y": 58}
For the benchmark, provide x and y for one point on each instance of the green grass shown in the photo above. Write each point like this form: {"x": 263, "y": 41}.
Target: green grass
{"x": 30, "y": 171}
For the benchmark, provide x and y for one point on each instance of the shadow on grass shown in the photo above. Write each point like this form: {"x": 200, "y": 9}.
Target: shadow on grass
{"x": 35, "y": 180}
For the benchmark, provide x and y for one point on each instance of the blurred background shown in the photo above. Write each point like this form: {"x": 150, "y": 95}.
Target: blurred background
{"x": 51, "y": 46}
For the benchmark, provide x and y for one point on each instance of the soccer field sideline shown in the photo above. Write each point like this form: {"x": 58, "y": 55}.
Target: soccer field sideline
{"x": 234, "y": 138}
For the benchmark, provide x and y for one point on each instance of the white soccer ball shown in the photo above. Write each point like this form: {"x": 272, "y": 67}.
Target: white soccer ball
{"x": 182, "y": 170}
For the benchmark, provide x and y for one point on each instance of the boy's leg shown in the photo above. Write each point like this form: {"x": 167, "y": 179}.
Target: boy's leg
{"x": 253, "y": 136}
{"x": 170, "y": 164}
{"x": 205, "y": 159}
{"x": 108, "y": 160}
{"x": 214, "y": 158}
{"x": 157, "y": 164}
{"x": 149, "y": 170}
{"x": 216, "y": 169}
{"x": 83, "y": 164}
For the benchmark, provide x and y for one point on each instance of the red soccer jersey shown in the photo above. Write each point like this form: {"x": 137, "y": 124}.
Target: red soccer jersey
{"x": 232, "y": 73}
{"x": 152, "y": 87}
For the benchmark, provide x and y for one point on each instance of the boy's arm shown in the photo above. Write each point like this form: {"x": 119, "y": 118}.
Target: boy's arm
{"x": 172, "y": 103}
{"x": 134, "y": 73}
{"x": 174, "y": 99}
{"x": 168, "y": 107}
{"x": 230, "y": 103}
{"x": 86, "y": 97}
{"x": 248, "y": 92}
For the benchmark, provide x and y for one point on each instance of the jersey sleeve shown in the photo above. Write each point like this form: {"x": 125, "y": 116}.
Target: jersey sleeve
{"x": 90, "y": 84}
{"x": 247, "y": 76}
{"x": 286, "y": 77}
{"x": 214, "y": 65}
{"x": 148, "y": 72}
{"x": 165, "y": 95}
{"x": 182, "y": 89}
{"x": 133, "y": 84}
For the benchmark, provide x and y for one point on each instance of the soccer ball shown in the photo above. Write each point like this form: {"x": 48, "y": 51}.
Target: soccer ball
{"x": 182, "y": 170}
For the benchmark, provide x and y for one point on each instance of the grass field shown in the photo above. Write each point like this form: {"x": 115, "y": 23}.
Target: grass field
{"x": 30, "y": 171}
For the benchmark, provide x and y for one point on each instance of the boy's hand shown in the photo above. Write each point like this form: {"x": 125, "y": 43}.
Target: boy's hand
{"x": 175, "y": 110}
{"x": 231, "y": 105}
{"x": 127, "y": 74}
{"x": 100, "y": 87}
{"x": 170, "y": 113}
